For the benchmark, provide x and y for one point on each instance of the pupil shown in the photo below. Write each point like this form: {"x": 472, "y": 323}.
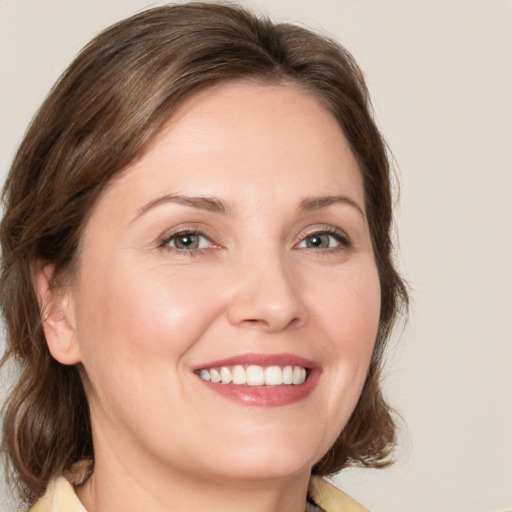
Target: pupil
{"x": 318, "y": 241}
{"x": 187, "y": 241}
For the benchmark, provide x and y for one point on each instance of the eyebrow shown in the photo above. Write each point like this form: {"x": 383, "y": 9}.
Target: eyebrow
{"x": 316, "y": 203}
{"x": 208, "y": 204}
{"x": 211, "y": 204}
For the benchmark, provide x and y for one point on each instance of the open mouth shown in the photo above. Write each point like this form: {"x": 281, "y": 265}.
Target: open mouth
{"x": 263, "y": 380}
{"x": 255, "y": 375}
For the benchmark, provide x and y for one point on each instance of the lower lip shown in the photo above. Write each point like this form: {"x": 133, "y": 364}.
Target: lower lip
{"x": 266, "y": 396}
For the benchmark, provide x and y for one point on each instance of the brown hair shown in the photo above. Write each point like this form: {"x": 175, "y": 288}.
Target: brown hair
{"x": 99, "y": 117}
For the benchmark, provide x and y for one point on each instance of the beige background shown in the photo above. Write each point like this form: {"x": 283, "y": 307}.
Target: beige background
{"x": 441, "y": 77}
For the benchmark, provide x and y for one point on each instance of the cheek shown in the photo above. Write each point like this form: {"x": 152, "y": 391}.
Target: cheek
{"x": 349, "y": 308}
{"x": 136, "y": 330}
{"x": 147, "y": 311}
{"x": 345, "y": 310}
{"x": 136, "y": 324}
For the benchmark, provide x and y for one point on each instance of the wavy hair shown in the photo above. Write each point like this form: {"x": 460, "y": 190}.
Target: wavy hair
{"x": 99, "y": 117}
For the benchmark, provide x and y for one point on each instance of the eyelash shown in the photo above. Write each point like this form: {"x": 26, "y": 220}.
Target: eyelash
{"x": 165, "y": 241}
{"x": 340, "y": 237}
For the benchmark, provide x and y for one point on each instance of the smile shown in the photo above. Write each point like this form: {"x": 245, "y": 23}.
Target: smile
{"x": 255, "y": 375}
{"x": 262, "y": 380}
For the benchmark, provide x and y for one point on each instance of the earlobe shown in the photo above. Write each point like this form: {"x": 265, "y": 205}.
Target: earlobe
{"x": 57, "y": 315}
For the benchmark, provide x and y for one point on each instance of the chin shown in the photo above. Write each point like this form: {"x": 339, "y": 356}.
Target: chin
{"x": 266, "y": 468}
{"x": 280, "y": 455}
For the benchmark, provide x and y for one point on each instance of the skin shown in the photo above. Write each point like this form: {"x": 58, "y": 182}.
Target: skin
{"x": 142, "y": 313}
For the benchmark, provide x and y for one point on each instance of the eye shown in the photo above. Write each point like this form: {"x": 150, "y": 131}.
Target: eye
{"x": 187, "y": 241}
{"x": 323, "y": 240}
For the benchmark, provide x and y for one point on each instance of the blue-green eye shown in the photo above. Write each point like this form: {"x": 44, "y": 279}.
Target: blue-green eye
{"x": 188, "y": 241}
{"x": 322, "y": 240}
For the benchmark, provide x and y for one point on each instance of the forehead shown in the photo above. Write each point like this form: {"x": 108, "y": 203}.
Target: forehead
{"x": 247, "y": 140}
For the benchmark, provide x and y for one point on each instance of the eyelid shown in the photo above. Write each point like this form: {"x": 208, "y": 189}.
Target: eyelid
{"x": 192, "y": 229}
{"x": 184, "y": 234}
{"x": 340, "y": 235}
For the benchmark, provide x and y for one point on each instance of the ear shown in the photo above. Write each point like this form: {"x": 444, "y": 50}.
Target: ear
{"x": 57, "y": 315}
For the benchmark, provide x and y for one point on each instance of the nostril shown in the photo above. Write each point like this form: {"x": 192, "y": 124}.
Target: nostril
{"x": 254, "y": 321}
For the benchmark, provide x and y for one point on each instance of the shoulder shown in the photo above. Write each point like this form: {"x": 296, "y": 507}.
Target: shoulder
{"x": 59, "y": 497}
{"x": 331, "y": 499}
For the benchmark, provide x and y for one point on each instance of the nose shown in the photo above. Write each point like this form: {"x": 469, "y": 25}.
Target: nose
{"x": 267, "y": 295}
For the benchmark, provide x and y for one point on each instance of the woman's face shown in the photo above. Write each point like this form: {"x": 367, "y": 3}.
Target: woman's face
{"x": 236, "y": 248}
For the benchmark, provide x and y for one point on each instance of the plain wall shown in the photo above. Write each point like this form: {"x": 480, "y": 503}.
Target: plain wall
{"x": 440, "y": 73}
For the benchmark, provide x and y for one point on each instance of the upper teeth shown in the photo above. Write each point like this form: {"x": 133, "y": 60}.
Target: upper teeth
{"x": 253, "y": 375}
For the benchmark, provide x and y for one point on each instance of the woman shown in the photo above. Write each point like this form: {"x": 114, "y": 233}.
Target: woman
{"x": 197, "y": 276}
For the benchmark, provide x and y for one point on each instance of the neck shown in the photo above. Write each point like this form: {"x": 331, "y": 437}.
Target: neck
{"x": 138, "y": 488}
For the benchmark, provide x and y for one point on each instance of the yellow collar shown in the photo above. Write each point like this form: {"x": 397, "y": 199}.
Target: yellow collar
{"x": 330, "y": 498}
{"x": 59, "y": 497}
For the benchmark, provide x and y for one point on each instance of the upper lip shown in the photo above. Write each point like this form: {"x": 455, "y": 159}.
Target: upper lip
{"x": 260, "y": 360}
